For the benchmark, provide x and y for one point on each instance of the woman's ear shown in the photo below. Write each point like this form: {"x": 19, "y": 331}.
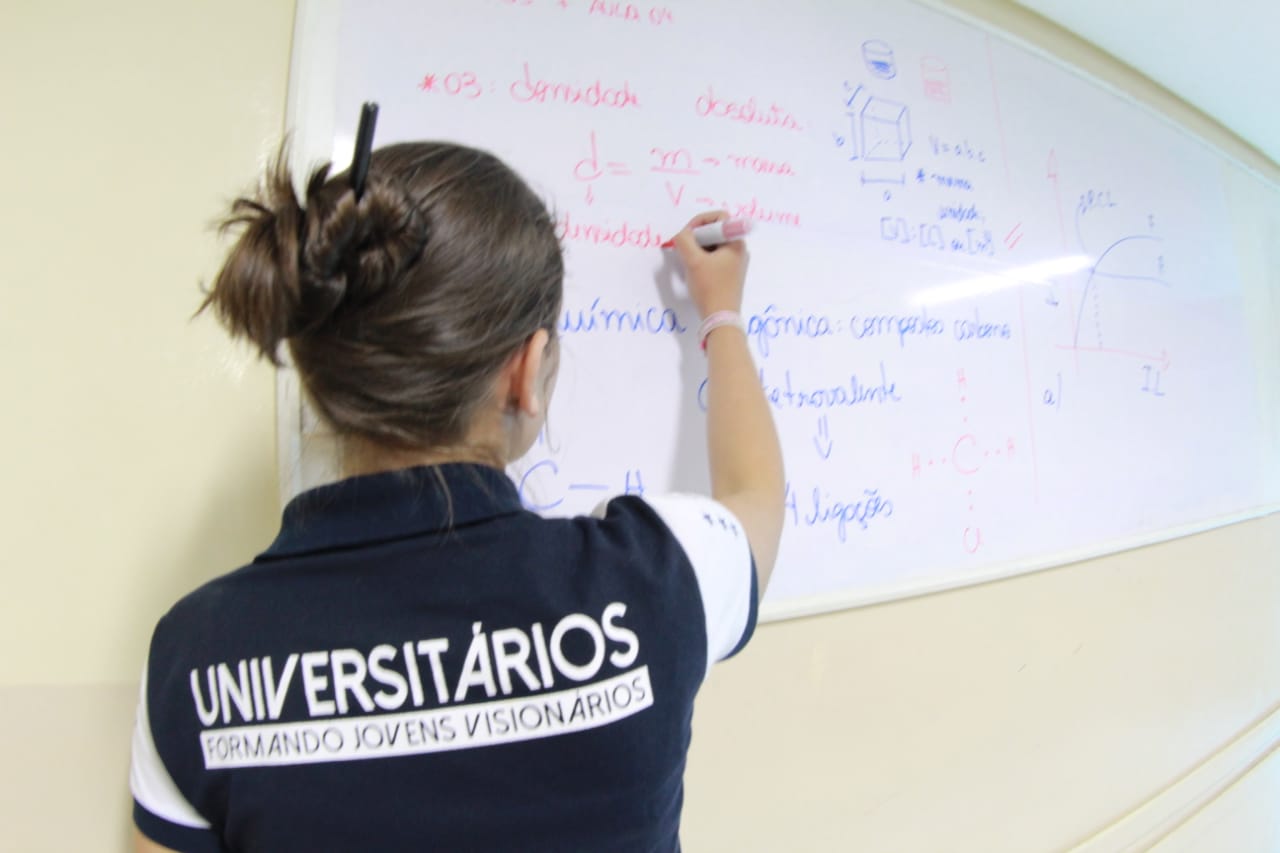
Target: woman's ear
{"x": 526, "y": 388}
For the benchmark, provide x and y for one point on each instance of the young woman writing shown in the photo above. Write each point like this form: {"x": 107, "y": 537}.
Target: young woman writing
{"x": 417, "y": 662}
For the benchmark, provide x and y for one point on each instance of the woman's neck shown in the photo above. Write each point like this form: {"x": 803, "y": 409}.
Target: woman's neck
{"x": 361, "y": 457}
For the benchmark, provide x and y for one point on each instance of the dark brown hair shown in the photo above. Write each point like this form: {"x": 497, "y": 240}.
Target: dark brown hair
{"x": 398, "y": 308}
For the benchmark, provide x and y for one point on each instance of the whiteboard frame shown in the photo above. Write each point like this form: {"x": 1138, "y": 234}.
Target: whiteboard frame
{"x": 308, "y": 121}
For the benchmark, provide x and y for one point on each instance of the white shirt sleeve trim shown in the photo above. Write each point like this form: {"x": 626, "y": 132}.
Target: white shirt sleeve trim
{"x": 150, "y": 782}
{"x": 716, "y": 545}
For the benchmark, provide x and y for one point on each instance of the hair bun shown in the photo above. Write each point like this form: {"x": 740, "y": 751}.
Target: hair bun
{"x": 401, "y": 308}
{"x": 294, "y": 269}
{"x": 353, "y": 252}
{"x": 256, "y": 293}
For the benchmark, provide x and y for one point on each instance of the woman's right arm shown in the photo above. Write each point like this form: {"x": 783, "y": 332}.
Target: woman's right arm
{"x": 742, "y": 442}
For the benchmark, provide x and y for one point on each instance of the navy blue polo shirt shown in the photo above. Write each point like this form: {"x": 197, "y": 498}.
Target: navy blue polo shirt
{"x": 419, "y": 663}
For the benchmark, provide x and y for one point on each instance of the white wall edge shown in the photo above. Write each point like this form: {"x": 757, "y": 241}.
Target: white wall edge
{"x": 312, "y": 74}
{"x": 1160, "y": 817}
{"x": 288, "y": 433}
{"x": 309, "y": 127}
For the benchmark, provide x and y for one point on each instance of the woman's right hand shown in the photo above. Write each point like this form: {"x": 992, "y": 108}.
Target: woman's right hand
{"x": 715, "y": 276}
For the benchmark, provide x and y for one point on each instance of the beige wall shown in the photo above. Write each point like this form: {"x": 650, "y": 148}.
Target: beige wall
{"x": 1121, "y": 702}
{"x": 140, "y": 443}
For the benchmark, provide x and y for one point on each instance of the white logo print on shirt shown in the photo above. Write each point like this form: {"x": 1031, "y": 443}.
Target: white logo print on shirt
{"x": 334, "y": 682}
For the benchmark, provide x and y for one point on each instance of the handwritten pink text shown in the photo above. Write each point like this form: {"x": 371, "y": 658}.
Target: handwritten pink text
{"x": 710, "y": 106}
{"x": 531, "y": 90}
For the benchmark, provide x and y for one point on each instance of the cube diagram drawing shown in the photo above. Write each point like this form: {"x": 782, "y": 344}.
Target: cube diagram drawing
{"x": 886, "y": 130}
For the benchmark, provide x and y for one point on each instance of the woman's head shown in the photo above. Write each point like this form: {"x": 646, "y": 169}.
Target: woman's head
{"x": 399, "y": 310}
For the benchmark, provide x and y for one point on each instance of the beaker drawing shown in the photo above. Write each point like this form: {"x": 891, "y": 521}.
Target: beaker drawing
{"x": 937, "y": 79}
{"x": 878, "y": 57}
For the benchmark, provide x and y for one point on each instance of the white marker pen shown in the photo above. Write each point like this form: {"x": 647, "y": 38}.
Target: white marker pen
{"x": 715, "y": 233}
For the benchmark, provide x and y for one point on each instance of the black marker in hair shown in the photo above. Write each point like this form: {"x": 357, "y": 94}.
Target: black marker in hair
{"x": 364, "y": 147}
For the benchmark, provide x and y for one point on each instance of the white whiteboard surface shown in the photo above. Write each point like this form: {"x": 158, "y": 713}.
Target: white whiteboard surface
{"x": 997, "y": 308}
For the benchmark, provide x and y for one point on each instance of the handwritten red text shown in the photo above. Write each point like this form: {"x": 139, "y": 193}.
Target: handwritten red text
{"x": 620, "y": 236}
{"x": 752, "y": 210}
{"x": 533, "y": 90}
{"x": 710, "y": 106}
{"x": 658, "y": 15}
{"x": 679, "y": 161}
{"x": 464, "y": 83}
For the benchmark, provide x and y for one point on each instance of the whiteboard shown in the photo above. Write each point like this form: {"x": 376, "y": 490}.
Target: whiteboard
{"x": 996, "y": 308}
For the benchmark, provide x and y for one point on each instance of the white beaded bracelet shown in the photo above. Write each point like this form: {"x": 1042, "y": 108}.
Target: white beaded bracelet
{"x": 715, "y": 320}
